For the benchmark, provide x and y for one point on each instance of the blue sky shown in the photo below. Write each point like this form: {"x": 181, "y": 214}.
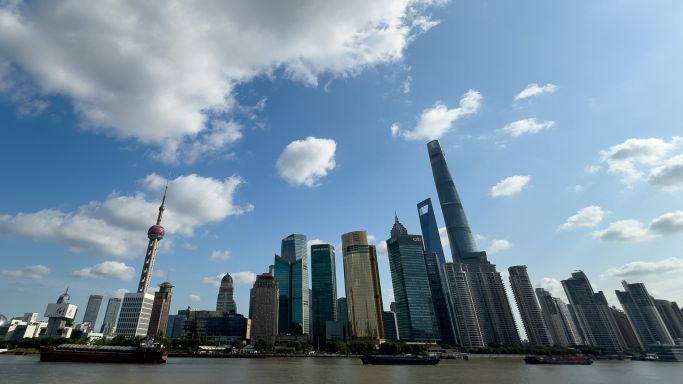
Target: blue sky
{"x": 276, "y": 121}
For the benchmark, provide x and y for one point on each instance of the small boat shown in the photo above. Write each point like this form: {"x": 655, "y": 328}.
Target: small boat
{"x": 558, "y": 359}
{"x": 76, "y": 353}
{"x": 400, "y": 360}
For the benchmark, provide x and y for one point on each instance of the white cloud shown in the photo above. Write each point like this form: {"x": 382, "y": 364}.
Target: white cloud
{"x": 642, "y": 268}
{"x": 218, "y": 255}
{"x": 382, "y": 249}
{"x": 243, "y": 278}
{"x": 586, "y": 217}
{"x": 120, "y": 292}
{"x": 195, "y": 298}
{"x": 510, "y": 186}
{"x": 166, "y": 74}
{"x": 443, "y": 235}
{"x": 214, "y": 281}
{"x": 117, "y": 225}
{"x": 629, "y": 157}
{"x": 668, "y": 175}
{"x": 438, "y": 120}
{"x": 535, "y": 90}
{"x": 527, "y": 126}
{"x": 107, "y": 269}
{"x": 554, "y": 286}
{"x": 498, "y": 245}
{"x": 592, "y": 169}
{"x": 667, "y": 224}
{"x": 304, "y": 162}
{"x": 38, "y": 271}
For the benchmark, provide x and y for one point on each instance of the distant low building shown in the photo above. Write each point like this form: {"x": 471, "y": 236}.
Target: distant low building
{"x": 216, "y": 326}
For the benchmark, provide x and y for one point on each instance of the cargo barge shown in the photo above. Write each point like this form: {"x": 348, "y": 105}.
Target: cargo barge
{"x": 559, "y": 359}
{"x": 76, "y": 353}
{"x": 400, "y": 360}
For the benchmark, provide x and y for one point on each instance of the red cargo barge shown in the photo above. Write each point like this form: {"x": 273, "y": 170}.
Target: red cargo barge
{"x": 559, "y": 359}
{"x": 76, "y": 353}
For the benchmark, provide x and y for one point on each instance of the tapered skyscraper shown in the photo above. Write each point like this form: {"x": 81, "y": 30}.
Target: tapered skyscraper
{"x": 534, "y": 324}
{"x": 491, "y": 302}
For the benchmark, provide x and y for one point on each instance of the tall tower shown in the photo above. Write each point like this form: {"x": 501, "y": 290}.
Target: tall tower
{"x": 136, "y": 309}
{"x": 109, "y": 322}
{"x": 92, "y": 310}
{"x": 363, "y": 294}
{"x": 323, "y": 291}
{"x": 225, "y": 301}
{"x": 642, "y": 312}
{"x": 557, "y": 319}
{"x": 536, "y": 329}
{"x": 264, "y": 308}
{"x": 291, "y": 271}
{"x": 162, "y": 304}
{"x": 462, "y": 305}
{"x": 415, "y": 309}
{"x": 486, "y": 286}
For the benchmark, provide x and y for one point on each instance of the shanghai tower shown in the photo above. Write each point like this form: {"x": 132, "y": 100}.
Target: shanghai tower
{"x": 486, "y": 286}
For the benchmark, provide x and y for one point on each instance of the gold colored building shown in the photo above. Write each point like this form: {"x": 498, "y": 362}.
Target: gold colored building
{"x": 363, "y": 293}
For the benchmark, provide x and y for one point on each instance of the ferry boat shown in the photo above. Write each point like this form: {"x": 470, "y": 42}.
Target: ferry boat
{"x": 400, "y": 360}
{"x": 558, "y": 359}
{"x": 76, "y": 353}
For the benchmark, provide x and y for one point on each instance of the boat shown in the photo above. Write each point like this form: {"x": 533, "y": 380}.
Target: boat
{"x": 558, "y": 359}
{"x": 400, "y": 360}
{"x": 77, "y": 353}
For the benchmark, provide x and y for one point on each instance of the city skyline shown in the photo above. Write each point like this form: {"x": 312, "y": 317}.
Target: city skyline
{"x": 565, "y": 156}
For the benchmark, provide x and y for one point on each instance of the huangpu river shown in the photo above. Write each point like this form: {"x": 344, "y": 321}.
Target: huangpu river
{"x": 27, "y": 369}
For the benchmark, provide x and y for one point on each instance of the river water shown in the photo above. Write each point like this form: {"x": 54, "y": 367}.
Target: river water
{"x": 27, "y": 369}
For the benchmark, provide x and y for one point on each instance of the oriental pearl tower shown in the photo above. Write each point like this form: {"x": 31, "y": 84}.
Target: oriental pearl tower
{"x": 155, "y": 234}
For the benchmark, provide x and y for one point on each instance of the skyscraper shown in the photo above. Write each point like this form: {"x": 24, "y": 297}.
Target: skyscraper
{"x": 626, "y": 329}
{"x": 136, "y": 308}
{"x": 486, "y": 286}
{"x": 416, "y": 318}
{"x": 594, "y": 317}
{"x": 162, "y": 304}
{"x": 225, "y": 301}
{"x": 363, "y": 294}
{"x": 264, "y": 308}
{"x": 465, "y": 317}
{"x": 92, "y": 309}
{"x": 291, "y": 271}
{"x": 110, "y": 314}
{"x": 390, "y": 326}
{"x": 642, "y": 312}
{"x": 672, "y": 317}
{"x": 557, "y": 319}
{"x": 434, "y": 261}
{"x": 323, "y": 290}
{"x": 536, "y": 329}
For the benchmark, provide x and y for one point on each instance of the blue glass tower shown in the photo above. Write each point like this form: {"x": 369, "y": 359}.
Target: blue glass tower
{"x": 291, "y": 271}
{"x": 323, "y": 291}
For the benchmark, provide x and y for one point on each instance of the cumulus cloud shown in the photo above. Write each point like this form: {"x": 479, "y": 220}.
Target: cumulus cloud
{"x": 643, "y": 268}
{"x": 527, "y": 126}
{"x": 668, "y": 175}
{"x": 120, "y": 292}
{"x": 670, "y": 223}
{"x": 586, "y": 217}
{"x": 243, "y": 278}
{"x": 535, "y": 90}
{"x": 195, "y": 298}
{"x": 552, "y": 285}
{"x": 438, "y": 120}
{"x": 218, "y": 255}
{"x": 165, "y": 75}
{"x": 117, "y": 225}
{"x": 630, "y": 157}
{"x": 498, "y": 245}
{"x": 38, "y": 271}
{"x": 510, "y": 186}
{"x": 304, "y": 162}
{"x": 107, "y": 269}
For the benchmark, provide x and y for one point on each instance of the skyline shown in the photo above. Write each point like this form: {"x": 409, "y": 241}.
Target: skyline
{"x": 92, "y": 187}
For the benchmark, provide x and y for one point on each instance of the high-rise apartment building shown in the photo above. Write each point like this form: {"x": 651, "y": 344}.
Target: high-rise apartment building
{"x": 626, "y": 329}
{"x": 557, "y": 318}
{"x": 110, "y": 314}
{"x": 434, "y": 261}
{"x": 491, "y": 302}
{"x": 536, "y": 329}
{"x": 264, "y": 308}
{"x": 416, "y": 318}
{"x": 160, "y": 307}
{"x": 363, "y": 293}
{"x": 593, "y": 315}
{"x": 465, "y": 317}
{"x": 225, "y": 301}
{"x": 323, "y": 291}
{"x": 92, "y": 310}
{"x": 672, "y": 316}
{"x": 642, "y": 312}
{"x": 291, "y": 271}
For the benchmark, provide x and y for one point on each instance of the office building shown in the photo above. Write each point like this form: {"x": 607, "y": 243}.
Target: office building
{"x": 557, "y": 318}
{"x": 225, "y": 301}
{"x": 486, "y": 286}
{"x": 162, "y": 304}
{"x": 92, "y": 310}
{"x": 60, "y": 317}
{"x": 529, "y": 310}
{"x": 264, "y": 308}
{"x": 110, "y": 315}
{"x": 363, "y": 293}
{"x": 216, "y": 326}
{"x": 291, "y": 271}
{"x": 464, "y": 314}
{"x": 391, "y": 332}
{"x": 415, "y": 317}
{"x": 642, "y": 312}
{"x": 323, "y": 291}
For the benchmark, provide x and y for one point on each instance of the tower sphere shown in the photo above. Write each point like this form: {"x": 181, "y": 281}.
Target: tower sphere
{"x": 156, "y": 232}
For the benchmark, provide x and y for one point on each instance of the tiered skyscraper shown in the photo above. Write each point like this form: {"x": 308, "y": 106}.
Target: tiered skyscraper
{"x": 291, "y": 271}
{"x": 493, "y": 309}
{"x": 415, "y": 310}
{"x": 225, "y": 301}
{"x": 136, "y": 308}
{"x": 536, "y": 329}
{"x": 363, "y": 294}
{"x": 323, "y": 291}
{"x": 642, "y": 312}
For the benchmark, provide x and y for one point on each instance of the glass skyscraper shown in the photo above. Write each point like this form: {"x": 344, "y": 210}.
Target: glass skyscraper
{"x": 291, "y": 271}
{"x": 110, "y": 315}
{"x": 486, "y": 286}
{"x": 323, "y": 290}
{"x": 415, "y": 309}
{"x": 92, "y": 310}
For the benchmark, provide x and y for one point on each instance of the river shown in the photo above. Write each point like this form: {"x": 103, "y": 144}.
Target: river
{"x": 27, "y": 369}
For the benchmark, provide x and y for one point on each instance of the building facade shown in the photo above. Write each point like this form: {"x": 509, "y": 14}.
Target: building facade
{"x": 158, "y": 319}
{"x": 291, "y": 271}
{"x": 672, "y": 317}
{"x": 464, "y": 314}
{"x": 642, "y": 312}
{"x": 92, "y": 309}
{"x": 216, "y": 326}
{"x": 110, "y": 315}
{"x": 557, "y": 319}
{"x": 529, "y": 310}
{"x": 264, "y": 308}
{"x": 323, "y": 291}
{"x": 225, "y": 301}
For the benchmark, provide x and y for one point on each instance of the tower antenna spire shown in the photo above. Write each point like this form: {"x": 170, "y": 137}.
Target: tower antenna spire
{"x": 162, "y": 208}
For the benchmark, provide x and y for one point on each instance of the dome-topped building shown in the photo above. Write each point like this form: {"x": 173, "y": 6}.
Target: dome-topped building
{"x": 225, "y": 301}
